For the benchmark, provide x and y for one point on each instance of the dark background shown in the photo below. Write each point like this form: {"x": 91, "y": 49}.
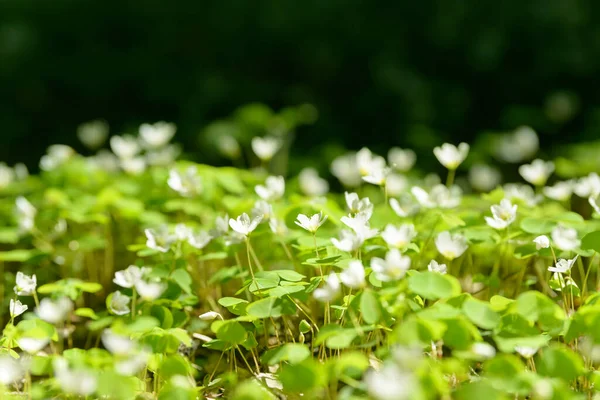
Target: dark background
{"x": 411, "y": 73}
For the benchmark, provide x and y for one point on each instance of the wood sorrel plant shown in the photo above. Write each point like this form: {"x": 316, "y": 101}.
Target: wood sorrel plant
{"x": 130, "y": 279}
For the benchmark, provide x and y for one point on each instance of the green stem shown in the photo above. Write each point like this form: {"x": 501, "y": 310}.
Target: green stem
{"x": 133, "y": 301}
{"x": 587, "y": 274}
{"x": 450, "y": 178}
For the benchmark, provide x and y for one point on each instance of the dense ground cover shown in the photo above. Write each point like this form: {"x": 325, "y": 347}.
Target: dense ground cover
{"x": 129, "y": 274}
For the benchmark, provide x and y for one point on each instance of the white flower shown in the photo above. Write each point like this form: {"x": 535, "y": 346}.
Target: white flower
{"x": 449, "y": 246}
{"x": 272, "y": 190}
{"x": 538, "y": 172}
{"x": 594, "y": 203}
{"x": 150, "y": 291}
{"x": 132, "y": 364}
{"x": 483, "y": 350}
{"x": 588, "y": 186}
{"x": 396, "y": 184}
{"x": 483, "y": 177}
{"x": 157, "y": 135}
{"x": 125, "y": 146}
{"x": 182, "y": 231}
{"x": 541, "y": 242}
{"x": 7, "y": 175}
{"x": 160, "y": 240}
{"x": 354, "y": 275}
{"x": 244, "y": 225}
{"x": 311, "y": 183}
{"x": 345, "y": 169}
{"x": 403, "y": 210}
{"x": 451, "y": 156}
{"x": 119, "y": 303}
{"x": 25, "y": 285}
{"x": 356, "y": 205}
{"x": 434, "y": 266}
{"x": 525, "y": 351}
{"x": 543, "y": 389}
{"x": 32, "y": 345}
{"x": 10, "y": 371}
{"x": 562, "y": 266}
{"x": 16, "y": 308}
{"x": 26, "y": 213}
{"x": 401, "y": 159}
{"x": 21, "y": 171}
{"x": 390, "y": 383}
{"x": 117, "y": 344}
{"x": 186, "y": 183}
{"x": 209, "y": 316}
{"x": 439, "y": 196}
{"x": 199, "y": 239}
{"x": 93, "y": 134}
{"x": 368, "y": 162}
{"x": 359, "y": 223}
{"x": 525, "y": 193}
{"x": 278, "y": 226}
{"x": 57, "y": 155}
{"x": 164, "y": 156}
{"x": 133, "y": 165}
{"x": 399, "y": 237}
{"x": 561, "y": 191}
{"x": 74, "y": 381}
{"x": 394, "y": 266}
{"x": 516, "y": 147}
{"x": 377, "y": 176}
{"x": 565, "y": 238}
{"x": 228, "y": 146}
{"x": 221, "y": 226}
{"x": 54, "y": 311}
{"x": 349, "y": 241}
{"x": 128, "y": 277}
{"x": 503, "y": 215}
{"x": 330, "y": 291}
{"x": 311, "y": 224}
{"x": 265, "y": 148}
{"x": 104, "y": 160}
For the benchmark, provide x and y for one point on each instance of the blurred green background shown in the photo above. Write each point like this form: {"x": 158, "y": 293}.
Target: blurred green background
{"x": 408, "y": 73}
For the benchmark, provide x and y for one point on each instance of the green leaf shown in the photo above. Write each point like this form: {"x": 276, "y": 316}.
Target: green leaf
{"x": 591, "y": 241}
{"x": 433, "y": 286}
{"x": 481, "y": 313}
{"x": 9, "y": 235}
{"x": 162, "y": 314}
{"x": 183, "y": 279}
{"x": 229, "y": 331}
{"x": 19, "y": 255}
{"x": 536, "y": 307}
{"x": 289, "y": 275}
{"x": 301, "y": 377}
{"x": 86, "y": 312}
{"x": 370, "y": 307}
{"x": 416, "y": 331}
{"x": 537, "y": 226}
{"x": 251, "y": 389}
{"x": 559, "y": 362}
{"x": 293, "y": 353}
{"x": 143, "y": 324}
{"x": 89, "y": 287}
{"x": 269, "y": 307}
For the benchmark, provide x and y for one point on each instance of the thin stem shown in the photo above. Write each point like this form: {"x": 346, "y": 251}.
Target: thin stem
{"x": 250, "y": 265}
{"x": 133, "y": 301}
{"x": 587, "y": 274}
{"x": 287, "y": 250}
{"x": 450, "y": 178}
{"x": 254, "y": 257}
